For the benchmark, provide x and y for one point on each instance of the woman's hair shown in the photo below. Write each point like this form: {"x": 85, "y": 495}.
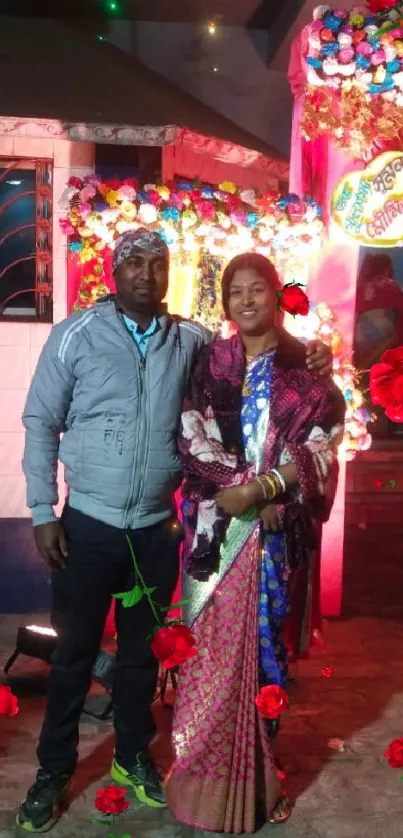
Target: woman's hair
{"x": 254, "y": 261}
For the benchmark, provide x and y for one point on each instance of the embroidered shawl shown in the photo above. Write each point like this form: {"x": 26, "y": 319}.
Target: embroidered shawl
{"x": 305, "y": 426}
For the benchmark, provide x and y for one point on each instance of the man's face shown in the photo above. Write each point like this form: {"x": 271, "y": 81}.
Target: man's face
{"x": 142, "y": 282}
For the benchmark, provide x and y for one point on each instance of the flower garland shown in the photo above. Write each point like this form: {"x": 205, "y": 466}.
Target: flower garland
{"x": 320, "y": 324}
{"x": 223, "y": 221}
{"x": 355, "y": 76}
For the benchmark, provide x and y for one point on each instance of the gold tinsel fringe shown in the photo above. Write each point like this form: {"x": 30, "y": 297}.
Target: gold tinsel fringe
{"x": 357, "y": 123}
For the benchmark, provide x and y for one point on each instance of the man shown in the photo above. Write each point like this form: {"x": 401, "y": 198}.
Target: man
{"x": 111, "y": 380}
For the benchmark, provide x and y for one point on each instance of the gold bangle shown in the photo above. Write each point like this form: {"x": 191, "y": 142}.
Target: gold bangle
{"x": 277, "y": 483}
{"x": 270, "y": 486}
{"x": 262, "y": 485}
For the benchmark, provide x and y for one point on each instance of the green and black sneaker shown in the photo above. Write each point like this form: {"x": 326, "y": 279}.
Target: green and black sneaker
{"x": 40, "y": 810}
{"x": 143, "y": 778}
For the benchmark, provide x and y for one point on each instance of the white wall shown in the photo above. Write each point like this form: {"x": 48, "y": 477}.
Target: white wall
{"x": 21, "y": 343}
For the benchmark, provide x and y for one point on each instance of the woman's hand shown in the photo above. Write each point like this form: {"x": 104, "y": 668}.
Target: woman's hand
{"x": 319, "y": 357}
{"x": 237, "y": 500}
{"x": 270, "y": 519}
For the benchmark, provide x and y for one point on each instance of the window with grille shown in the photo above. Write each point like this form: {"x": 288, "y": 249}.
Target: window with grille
{"x": 26, "y": 239}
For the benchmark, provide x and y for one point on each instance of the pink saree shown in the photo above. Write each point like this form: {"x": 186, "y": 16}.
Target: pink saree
{"x": 224, "y": 778}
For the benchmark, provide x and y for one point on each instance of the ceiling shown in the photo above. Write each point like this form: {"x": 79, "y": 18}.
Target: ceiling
{"x": 257, "y": 13}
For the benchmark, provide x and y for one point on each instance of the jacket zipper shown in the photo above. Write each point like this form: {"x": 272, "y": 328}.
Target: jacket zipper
{"x": 138, "y": 466}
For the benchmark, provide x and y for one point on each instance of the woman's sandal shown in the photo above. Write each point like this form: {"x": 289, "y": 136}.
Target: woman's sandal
{"x": 283, "y": 808}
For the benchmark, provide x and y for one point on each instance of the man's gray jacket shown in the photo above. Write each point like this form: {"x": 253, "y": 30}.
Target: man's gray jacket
{"x": 110, "y": 416}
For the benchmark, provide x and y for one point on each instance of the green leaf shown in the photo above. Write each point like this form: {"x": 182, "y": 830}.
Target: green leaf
{"x": 149, "y": 591}
{"x": 175, "y": 605}
{"x": 130, "y": 598}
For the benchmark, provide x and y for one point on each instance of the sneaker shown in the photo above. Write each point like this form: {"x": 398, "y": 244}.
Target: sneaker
{"x": 143, "y": 778}
{"x": 40, "y": 810}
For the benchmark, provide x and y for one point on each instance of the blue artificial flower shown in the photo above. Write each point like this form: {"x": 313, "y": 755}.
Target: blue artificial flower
{"x": 330, "y": 49}
{"x": 207, "y": 192}
{"x": 186, "y": 186}
{"x": 388, "y": 84}
{"x": 75, "y": 247}
{"x": 362, "y": 62}
{"x": 100, "y": 206}
{"x": 374, "y": 43}
{"x": 292, "y": 198}
{"x": 143, "y": 196}
{"x": 252, "y": 219}
{"x": 393, "y": 66}
{"x": 170, "y": 214}
{"x": 282, "y": 203}
{"x": 314, "y": 62}
{"x": 332, "y": 22}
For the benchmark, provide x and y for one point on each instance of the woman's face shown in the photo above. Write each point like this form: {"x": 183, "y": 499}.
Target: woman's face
{"x": 251, "y": 302}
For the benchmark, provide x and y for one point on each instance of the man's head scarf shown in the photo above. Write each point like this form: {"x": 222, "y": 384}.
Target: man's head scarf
{"x": 138, "y": 241}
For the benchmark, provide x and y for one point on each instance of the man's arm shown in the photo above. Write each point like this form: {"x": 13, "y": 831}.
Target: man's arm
{"x": 44, "y": 417}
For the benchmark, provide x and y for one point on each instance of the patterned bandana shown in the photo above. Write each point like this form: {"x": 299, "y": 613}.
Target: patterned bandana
{"x": 137, "y": 241}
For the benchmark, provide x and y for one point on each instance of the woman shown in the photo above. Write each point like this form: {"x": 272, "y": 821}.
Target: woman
{"x": 259, "y": 435}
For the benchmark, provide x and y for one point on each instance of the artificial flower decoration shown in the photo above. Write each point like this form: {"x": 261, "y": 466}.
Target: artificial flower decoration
{"x": 272, "y": 702}
{"x": 173, "y": 645}
{"x": 8, "y": 702}
{"x": 354, "y": 77}
{"x": 111, "y": 800}
{"x": 222, "y": 221}
{"x": 394, "y": 753}
{"x": 327, "y": 671}
{"x": 293, "y": 299}
{"x": 386, "y": 384}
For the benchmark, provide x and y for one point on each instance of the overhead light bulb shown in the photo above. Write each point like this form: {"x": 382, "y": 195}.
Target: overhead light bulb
{"x": 212, "y": 28}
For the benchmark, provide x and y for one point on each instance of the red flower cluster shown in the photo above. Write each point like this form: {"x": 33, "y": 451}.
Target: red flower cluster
{"x": 8, "y": 702}
{"x": 173, "y": 645}
{"x": 394, "y": 753}
{"x": 293, "y": 299}
{"x": 111, "y": 800}
{"x": 272, "y": 702}
{"x": 377, "y": 6}
{"x": 386, "y": 383}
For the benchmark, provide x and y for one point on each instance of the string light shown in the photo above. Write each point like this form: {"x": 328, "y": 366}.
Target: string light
{"x": 215, "y": 69}
{"x": 212, "y": 27}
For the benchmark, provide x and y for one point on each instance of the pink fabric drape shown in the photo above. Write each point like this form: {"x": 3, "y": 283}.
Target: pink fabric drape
{"x": 318, "y": 167}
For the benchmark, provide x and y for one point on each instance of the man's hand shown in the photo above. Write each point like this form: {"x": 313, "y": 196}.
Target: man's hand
{"x": 237, "y": 500}
{"x": 319, "y": 357}
{"x": 270, "y": 519}
{"x": 51, "y": 544}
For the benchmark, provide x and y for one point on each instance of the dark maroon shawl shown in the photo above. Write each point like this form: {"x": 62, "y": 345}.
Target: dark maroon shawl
{"x": 300, "y": 401}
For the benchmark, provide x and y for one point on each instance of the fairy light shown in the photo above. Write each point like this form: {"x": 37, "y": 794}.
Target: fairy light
{"x": 212, "y": 28}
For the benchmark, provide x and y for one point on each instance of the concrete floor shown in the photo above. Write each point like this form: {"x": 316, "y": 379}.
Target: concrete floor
{"x": 339, "y": 794}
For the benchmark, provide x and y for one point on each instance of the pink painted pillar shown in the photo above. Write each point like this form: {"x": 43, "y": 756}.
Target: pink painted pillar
{"x": 316, "y": 168}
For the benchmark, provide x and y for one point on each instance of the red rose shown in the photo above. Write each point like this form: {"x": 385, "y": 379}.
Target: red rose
{"x": 8, "y": 702}
{"x": 386, "y": 383}
{"x": 394, "y": 753}
{"x": 75, "y": 182}
{"x": 293, "y": 299}
{"x": 327, "y": 671}
{"x": 111, "y": 800}
{"x": 173, "y": 645}
{"x": 272, "y": 702}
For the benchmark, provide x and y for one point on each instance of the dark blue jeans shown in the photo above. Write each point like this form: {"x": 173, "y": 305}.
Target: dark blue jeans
{"x": 99, "y": 565}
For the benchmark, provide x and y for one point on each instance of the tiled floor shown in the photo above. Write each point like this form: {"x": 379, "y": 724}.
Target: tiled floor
{"x": 348, "y": 794}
